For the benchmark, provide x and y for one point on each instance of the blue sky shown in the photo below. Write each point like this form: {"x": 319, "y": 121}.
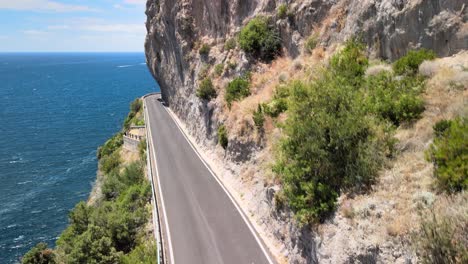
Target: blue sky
{"x": 72, "y": 25}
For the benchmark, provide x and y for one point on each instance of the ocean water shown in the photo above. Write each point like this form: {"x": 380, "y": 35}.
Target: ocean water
{"x": 55, "y": 110}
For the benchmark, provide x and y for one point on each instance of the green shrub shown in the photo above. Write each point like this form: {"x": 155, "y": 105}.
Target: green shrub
{"x": 441, "y": 126}
{"x": 219, "y": 69}
{"x": 311, "y": 43}
{"x": 39, "y": 254}
{"x": 282, "y": 11}
{"x": 110, "y": 146}
{"x": 351, "y": 62}
{"x": 259, "y": 117}
{"x": 230, "y": 44}
{"x": 110, "y": 162}
{"x": 135, "y": 108}
{"x": 237, "y": 89}
{"x": 449, "y": 153}
{"x": 396, "y": 100}
{"x": 222, "y": 136}
{"x": 329, "y": 144}
{"x": 139, "y": 122}
{"x": 279, "y": 104}
{"x": 204, "y": 49}
{"x": 260, "y": 39}
{"x": 276, "y": 107}
{"x": 206, "y": 89}
{"x": 409, "y": 64}
{"x": 144, "y": 253}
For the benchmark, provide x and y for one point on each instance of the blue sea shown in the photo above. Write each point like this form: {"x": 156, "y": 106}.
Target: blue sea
{"x": 55, "y": 110}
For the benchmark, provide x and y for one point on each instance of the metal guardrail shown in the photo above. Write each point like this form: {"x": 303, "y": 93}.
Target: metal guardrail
{"x": 156, "y": 216}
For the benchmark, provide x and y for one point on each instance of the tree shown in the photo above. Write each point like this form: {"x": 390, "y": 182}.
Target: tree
{"x": 39, "y": 254}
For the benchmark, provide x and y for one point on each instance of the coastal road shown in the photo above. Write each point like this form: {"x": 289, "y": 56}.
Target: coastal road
{"x": 201, "y": 223}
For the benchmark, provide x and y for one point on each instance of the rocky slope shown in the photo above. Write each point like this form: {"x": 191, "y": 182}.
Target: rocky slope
{"x": 176, "y": 30}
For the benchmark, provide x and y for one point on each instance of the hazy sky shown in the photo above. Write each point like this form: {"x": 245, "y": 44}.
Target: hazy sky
{"x": 72, "y": 25}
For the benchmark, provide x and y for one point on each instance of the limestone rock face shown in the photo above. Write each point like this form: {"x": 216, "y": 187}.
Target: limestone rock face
{"x": 177, "y": 28}
{"x": 390, "y": 27}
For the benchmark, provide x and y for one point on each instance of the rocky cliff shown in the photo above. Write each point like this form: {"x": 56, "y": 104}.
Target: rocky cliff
{"x": 176, "y": 31}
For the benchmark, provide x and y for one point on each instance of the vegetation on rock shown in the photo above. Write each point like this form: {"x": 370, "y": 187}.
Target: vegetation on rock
{"x": 206, "y": 90}
{"x": 204, "y": 49}
{"x": 282, "y": 11}
{"x": 39, "y": 254}
{"x": 449, "y": 153}
{"x": 259, "y": 117}
{"x": 339, "y": 131}
{"x": 310, "y": 43}
{"x": 260, "y": 39}
{"x": 222, "y": 136}
{"x": 219, "y": 69}
{"x": 409, "y": 63}
{"x": 237, "y": 89}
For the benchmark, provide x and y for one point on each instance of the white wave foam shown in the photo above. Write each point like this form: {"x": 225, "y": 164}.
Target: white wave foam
{"x": 18, "y": 238}
{"x": 25, "y": 182}
{"x": 124, "y": 66}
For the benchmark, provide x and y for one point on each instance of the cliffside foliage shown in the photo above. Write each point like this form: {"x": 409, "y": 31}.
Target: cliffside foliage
{"x": 339, "y": 130}
{"x": 222, "y": 136}
{"x": 39, "y": 254}
{"x": 282, "y": 11}
{"x": 132, "y": 117}
{"x": 396, "y": 100}
{"x": 260, "y": 38}
{"x": 311, "y": 43}
{"x": 204, "y": 49}
{"x": 237, "y": 89}
{"x": 409, "y": 63}
{"x": 259, "y": 117}
{"x": 111, "y": 230}
{"x": 219, "y": 69}
{"x": 449, "y": 153}
{"x": 230, "y": 44}
{"x": 110, "y": 146}
{"x": 206, "y": 89}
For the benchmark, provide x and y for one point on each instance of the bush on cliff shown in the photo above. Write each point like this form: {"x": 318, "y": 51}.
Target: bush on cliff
{"x": 409, "y": 64}
{"x": 259, "y": 116}
{"x": 260, "y": 38}
{"x": 396, "y": 100}
{"x": 336, "y": 136}
{"x": 206, "y": 90}
{"x": 237, "y": 89}
{"x": 329, "y": 144}
{"x": 204, "y": 49}
{"x": 449, "y": 153}
{"x": 222, "y": 136}
{"x": 39, "y": 254}
{"x": 110, "y": 146}
{"x": 282, "y": 11}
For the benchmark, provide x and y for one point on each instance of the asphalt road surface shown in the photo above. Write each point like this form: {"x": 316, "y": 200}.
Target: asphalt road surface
{"x": 204, "y": 224}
